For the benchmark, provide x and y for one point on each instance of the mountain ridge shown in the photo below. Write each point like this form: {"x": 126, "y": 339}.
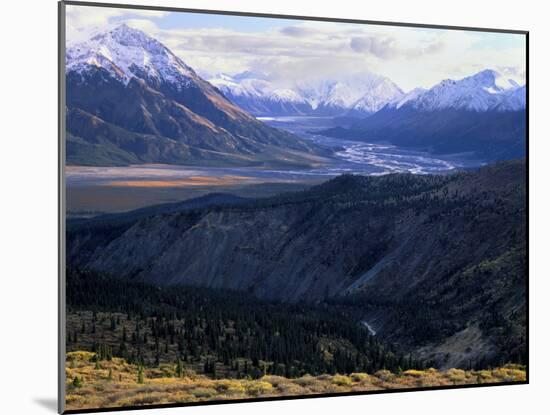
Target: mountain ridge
{"x": 133, "y": 83}
{"x": 358, "y": 95}
{"x": 483, "y": 91}
{"x": 475, "y": 116}
{"x": 397, "y": 245}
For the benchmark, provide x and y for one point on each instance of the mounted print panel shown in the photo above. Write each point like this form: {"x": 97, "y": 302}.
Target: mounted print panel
{"x": 257, "y": 207}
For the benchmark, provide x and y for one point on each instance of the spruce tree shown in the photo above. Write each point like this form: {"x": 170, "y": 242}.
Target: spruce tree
{"x": 113, "y": 324}
{"x": 77, "y": 382}
{"x": 140, "y": 375}
{"x": 179, "y": 369}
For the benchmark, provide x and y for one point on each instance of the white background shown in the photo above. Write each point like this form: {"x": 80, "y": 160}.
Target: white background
{"x": 28, "y": 235}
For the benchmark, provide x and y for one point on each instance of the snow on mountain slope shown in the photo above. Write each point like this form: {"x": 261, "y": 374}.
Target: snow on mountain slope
{"x": 254, "y": 88}
{"x": 379, "y": 95}
{"x": 366, "y": 92}
{"x": 484, "y": 91}
{"x": 513, "y": 100}
{"x": 409, "y": 96}
{"x": 481, "y": 116}
{"x": 125, "y": 53}
{"x": 259, "y": 96}
{"x": 363, "y": 94}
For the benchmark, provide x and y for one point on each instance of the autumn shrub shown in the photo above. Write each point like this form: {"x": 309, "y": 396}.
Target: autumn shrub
{"x": 384, "y": 375}
{"x": 309, "y": 380}
{"x": 359, "y": 377}
{"x": 258, "y": 387}
{"x": 341, "y": 380}
{"x": 456, "y": 375}
{"x": 202, "y": 393}
{"x": 115, "y": 384}
{"x": 231, "y": 387}
{"x": 414, "y": 373}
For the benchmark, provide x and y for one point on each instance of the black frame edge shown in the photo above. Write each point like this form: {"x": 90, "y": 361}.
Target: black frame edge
{"x": 293, "y": 17}
{"x": 61, "y": 346}
{"x": 527, "y": 268}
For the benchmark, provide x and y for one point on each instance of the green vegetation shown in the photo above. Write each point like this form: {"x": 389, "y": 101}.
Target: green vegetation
{"x": 218, "y": 333}
{"x": 140, "y": 375}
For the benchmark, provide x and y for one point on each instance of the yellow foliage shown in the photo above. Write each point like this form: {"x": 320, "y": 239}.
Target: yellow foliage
{"x": 505, "y": 374}
{"x": 414, "y": 373}
{"x": 456, "y": 375}
{"x": 161, "y": 387}
{"x": 341, "y": 380}
{"x": 80, "y": 356}
{"x": 230, "y": 386}
{"x": 258, "y": 387}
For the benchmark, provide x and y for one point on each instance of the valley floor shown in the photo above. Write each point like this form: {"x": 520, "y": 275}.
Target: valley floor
{"x": 115, "y": 383}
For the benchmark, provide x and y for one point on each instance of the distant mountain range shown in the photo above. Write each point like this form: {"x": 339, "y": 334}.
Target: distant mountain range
{"x": 482, "y": 92}
{"x": 358, "y": 95}
{"x": 131, "y": 100}
{"x": 483, "y": 115}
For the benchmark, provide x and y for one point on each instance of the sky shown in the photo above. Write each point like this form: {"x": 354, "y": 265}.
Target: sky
{"x": 293, "y": 50}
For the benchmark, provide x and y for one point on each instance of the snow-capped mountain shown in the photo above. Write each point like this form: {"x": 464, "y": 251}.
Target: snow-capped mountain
{"x": 481, "y": 115}
{"x": 403, "y": 99}
{"x": 353, "y": 95}
{"x": 365, "y": 93}
{"x": 131, "y": 100}
{"x": 513, "y": 100}
{"x": 255, "y": 87}
{"x": 484, "y": 91}
{"x": 255, "y": 94}
{"x": 378, "y": 95}
{"x": 126, "y": 53}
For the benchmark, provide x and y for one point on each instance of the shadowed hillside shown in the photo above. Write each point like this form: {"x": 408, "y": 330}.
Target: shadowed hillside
{"x": 424, "y": 257}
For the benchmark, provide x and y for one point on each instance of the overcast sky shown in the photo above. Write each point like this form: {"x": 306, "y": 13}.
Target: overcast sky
{"x": 293, "y": 50}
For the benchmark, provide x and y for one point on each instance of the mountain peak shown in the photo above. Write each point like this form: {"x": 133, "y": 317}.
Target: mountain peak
{"x": 250, "y": 75}
{"x": 126, "y": 53}
{"x": 486, "y": 77}
{"x": 257, "y": 92}
{"x": 482, "y": 91}
{"x": 129, "y": 36}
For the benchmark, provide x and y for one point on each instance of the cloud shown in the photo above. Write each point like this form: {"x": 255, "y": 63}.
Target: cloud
{"x": 411, "y": 57}
{"x": 296, "y": 31}
{"x": 429, "y": 49}
{"x": 83, "y": 21}
{"x": 143, "y": 24}
{"x": 383, "y": 48}
{"x": 512, "y": 72}
{"x": 386, "y": 47}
